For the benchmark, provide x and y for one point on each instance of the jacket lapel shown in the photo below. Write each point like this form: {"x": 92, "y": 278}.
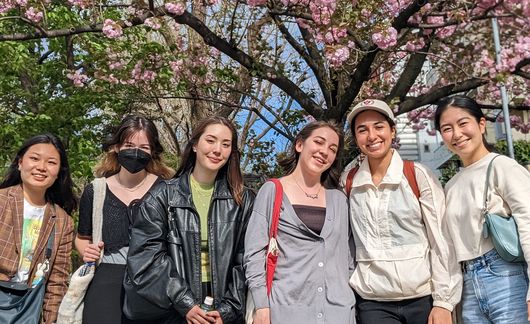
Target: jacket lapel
{"x": 47, "y": 224}
{"x": 16, "y": 203}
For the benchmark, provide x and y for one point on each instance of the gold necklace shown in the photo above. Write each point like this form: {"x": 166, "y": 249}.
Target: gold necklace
{"x": 308, "y": 195}
{"x": 130, "y": 189}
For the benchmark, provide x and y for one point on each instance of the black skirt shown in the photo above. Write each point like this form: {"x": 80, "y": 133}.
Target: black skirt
{"x": 104, "y": 297}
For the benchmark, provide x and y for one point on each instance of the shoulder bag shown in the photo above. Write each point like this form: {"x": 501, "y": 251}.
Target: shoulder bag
{"x": 272, "y": 250}
{"x": 71, "y": 308}
{"x": 21, "y": 303}
{"x": 136, "y": 307}
{"x": 502, "y": 229}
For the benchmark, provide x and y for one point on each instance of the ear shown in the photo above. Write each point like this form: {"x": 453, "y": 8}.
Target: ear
{"x": 298, "y": 146}
{"x": 393, "y": 132}
{"x": 194, "y": 148}
{"x": 482, "y": 125}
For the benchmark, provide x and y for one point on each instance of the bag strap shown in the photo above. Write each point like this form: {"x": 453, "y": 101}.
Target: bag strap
{"x": 273, "y": 231}
{"x": 100, "y": 188}
{"x": 408, "y": 171}
{"x": 410, "y": 174}
{"x": 49, "y": 245}
{"x": 486, "y": 186}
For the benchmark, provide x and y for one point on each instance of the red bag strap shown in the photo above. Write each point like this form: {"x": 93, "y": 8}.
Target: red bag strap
{"x": 349, "y": 180}
{"x": 276, "y": 208}
{"x": 408, "y": 170}
{"x": 410, "y": 174}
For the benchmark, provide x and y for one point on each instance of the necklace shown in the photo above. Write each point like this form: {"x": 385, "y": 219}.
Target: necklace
{"x": 130, "y": 189}
{"x": 309, "y": 195}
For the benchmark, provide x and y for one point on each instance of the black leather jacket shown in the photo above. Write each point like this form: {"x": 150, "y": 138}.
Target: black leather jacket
{"x": 149, "y": 264}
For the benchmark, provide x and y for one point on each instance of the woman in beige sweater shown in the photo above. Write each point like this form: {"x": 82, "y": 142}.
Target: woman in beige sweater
{"x": 495, "y": 291}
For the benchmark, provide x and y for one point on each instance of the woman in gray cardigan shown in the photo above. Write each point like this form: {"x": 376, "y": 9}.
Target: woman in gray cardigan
{"x": 310, "y": 284}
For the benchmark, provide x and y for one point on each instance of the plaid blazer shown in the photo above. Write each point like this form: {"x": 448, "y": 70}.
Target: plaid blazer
{"x": 11, "y": 220}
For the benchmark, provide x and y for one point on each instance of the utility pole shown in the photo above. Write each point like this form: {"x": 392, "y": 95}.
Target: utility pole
{"x": 504, "y": 95}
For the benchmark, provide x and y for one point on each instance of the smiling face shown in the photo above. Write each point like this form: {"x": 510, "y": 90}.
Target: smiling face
{"x": 373, "y": 134}
{"x": 39, "y": 167}
{"x": 317, "y": 152}
{"x": 213, "y": 148}
{"x": 463, "y": 134}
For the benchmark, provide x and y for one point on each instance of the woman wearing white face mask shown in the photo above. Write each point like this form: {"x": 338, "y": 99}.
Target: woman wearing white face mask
{"x": 131, "y": 165}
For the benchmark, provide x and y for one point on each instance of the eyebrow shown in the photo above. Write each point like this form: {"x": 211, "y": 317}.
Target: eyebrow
{"x": 215, "y": 137}
{"x": 458, "y": 121}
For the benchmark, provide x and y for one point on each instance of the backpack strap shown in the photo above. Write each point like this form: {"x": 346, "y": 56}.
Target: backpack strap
{"x": 408, "y": 171}
{"x": 349, "y": 180}
{"x": 410, "y": 174}
{"x": 100, "y": 188}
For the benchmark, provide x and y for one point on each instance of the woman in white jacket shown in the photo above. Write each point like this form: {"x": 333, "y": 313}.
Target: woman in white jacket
{"x": 406, "y": 270}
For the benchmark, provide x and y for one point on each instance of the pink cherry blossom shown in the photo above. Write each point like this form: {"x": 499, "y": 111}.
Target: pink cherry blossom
{"x": 255, "y": 3}
{"x": 337, "y": 56}
{"x": 112, "y": 29}
{"x": 385, "y": 39}
{"x": 34, "y": 15}
{"x": 175, "y": 8}
{"x": 153, "y": 23}
{"x": 78, "y": 78}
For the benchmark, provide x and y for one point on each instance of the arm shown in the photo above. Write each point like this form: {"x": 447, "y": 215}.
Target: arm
{"x": 232, "y": 305}
{"x": 89, "y": 251}
{"x": 56, "y": 285}
{"x": 512, "y": 183}
{"x": 149, "y": 265}
{"x": 256, "y": 242}
{"x": 446, "y": 273}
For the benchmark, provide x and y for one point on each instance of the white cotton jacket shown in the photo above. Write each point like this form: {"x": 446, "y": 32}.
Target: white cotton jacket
{"x": 509, "y": 194}
{"x": 403, "y": 249}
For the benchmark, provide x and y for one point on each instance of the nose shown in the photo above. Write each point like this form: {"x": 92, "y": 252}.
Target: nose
{"x": 216, "y": 148}
{"x": 41, "y": 165}
{"x": 371, "y": 134}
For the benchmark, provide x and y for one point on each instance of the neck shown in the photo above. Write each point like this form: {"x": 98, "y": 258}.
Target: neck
{"x": 129, "y": 180}
{"x": 306, "y": 179}
{"x": 475, "y": 156}
{"x": 34, "y": 197}
{"x": 379, "y": 166}
{"x": 203, "y": 176}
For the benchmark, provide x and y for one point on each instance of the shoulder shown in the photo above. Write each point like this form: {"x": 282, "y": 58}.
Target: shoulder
{"x": 423, "y": 172}
{"x": 337, "y": 194}
{"x": 248, "y": 194}
{"x": 63, "y": 216}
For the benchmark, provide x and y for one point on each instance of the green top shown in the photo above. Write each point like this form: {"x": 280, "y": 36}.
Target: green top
{"x": 202, "y": 196}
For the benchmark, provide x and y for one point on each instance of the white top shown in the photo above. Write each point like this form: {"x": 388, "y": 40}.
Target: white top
{"x": 33, "y": 216}
{"x": 403, "y": 251}
{"x": 509, "y": 194}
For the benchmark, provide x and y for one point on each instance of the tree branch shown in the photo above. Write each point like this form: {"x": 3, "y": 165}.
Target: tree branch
{"x": 436, "y": 94}
{"x": 261, "y": 70}
{"x": 410, "y": 74}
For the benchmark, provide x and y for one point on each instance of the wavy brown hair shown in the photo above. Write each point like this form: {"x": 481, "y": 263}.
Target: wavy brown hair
{"x": 231, "y": 169}
{"x": 130, "y": 125}
{"x": 330, "y": 177}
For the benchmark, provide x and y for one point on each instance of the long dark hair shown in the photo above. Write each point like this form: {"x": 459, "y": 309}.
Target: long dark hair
{"x": 61, "y": 191}
{"x": 231, "y": 169}
{"x": 129, "y": 125}
{"x": 462, "y": 102}
{"x": 330, "y": 177}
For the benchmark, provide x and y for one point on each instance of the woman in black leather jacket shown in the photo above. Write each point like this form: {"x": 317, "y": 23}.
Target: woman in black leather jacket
{"x": 211, "y": 209}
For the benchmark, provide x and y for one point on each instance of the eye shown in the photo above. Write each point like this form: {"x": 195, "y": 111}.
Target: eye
{"x": 52, "y": 162}
{"x": 209, "y": 141}
{"x": 319, "y": 141}
{"x": 445, "y": 129}
{"x": 33, "y": 158}
{"x": 334, "y": 150}
{"x": 227, "y": 145}
{"x": 463, "y": 124}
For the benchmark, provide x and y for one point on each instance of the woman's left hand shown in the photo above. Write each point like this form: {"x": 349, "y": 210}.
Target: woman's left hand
{"x": 217, "y": 316}
{"x": 440, "y": 315}
{"x": 528, "y": 305}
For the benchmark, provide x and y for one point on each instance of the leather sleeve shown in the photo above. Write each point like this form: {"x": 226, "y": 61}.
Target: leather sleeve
{"x": 232, "y": 306}
{"x": 149, "y": 264}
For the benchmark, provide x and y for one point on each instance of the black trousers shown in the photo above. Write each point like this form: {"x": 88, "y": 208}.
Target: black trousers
{"x": 409, "y": 311}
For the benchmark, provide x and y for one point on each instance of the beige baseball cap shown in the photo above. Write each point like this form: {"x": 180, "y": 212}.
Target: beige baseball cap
{"x": 370, "y": 104}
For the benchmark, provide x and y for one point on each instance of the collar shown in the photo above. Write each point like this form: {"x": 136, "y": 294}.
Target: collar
{"x": 394, "y": 173}
{"x": 182, "y": 197}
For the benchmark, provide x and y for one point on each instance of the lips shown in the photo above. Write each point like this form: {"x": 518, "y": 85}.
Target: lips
{"x": 374, "y": 146}
{"x": 215, "y": 160}
{"x": 460, "y": 144}
{"x": 39, "y": 176}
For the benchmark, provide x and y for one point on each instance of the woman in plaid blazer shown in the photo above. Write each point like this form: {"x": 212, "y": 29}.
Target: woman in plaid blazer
{"x": 36, "y": 194}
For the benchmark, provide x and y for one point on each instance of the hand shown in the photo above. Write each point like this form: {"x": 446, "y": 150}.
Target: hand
{"x": 528, "y": 305}
{"x": 262, "y": 316}
{"x": 217, "y": 316}
{"x": 92, "y": 252}
{"x": 440, "y": 315}
{"x": 197, "y": 316}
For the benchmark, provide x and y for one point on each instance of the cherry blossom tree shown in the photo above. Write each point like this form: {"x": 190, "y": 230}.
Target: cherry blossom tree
{"x": 265, "y": 61}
